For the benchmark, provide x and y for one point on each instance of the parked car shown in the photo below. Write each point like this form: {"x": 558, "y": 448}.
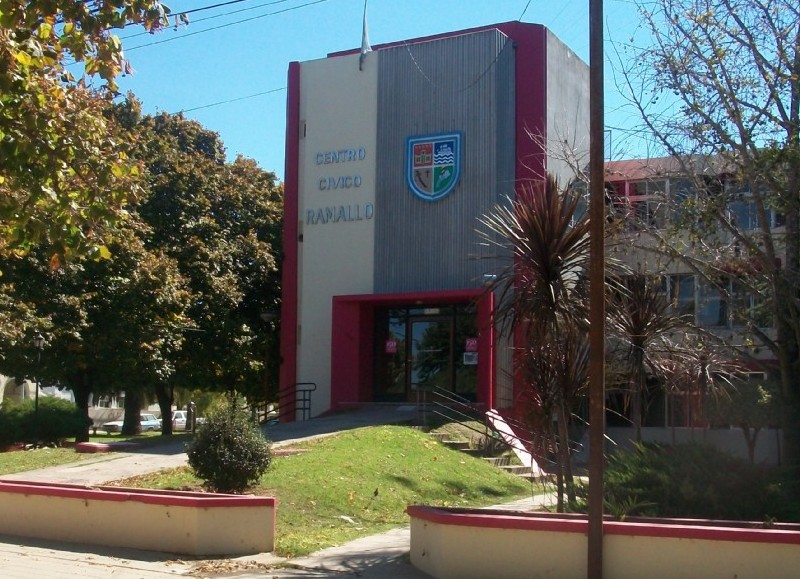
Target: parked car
{"x": 179, "y": 420}
{"x": 148, "y": 421}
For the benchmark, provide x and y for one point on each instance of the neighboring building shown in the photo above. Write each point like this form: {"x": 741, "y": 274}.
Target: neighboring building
{"x": 648, "y": 196}
{"x": 392, "y": 156}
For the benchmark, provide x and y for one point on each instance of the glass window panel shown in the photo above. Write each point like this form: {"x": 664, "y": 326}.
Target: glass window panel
{"x": 682, "y": 297}
{"x": 712, "y": 307}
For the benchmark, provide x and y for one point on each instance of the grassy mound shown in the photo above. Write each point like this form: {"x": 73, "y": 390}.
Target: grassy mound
{"x": 359, "y": 482}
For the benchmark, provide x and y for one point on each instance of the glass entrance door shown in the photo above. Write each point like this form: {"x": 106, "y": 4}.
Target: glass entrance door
{"x": 430, "y": 354}
{"x": 418, "y": 349}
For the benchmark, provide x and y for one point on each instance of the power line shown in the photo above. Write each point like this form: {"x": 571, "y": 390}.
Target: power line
{"x": 230, "y": 13}
{"x": 196, "y": 32}
{"x": 233, "y": 100}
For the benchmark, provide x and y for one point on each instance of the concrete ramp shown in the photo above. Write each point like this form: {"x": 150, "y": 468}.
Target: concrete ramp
{"x": 508, "y": 435}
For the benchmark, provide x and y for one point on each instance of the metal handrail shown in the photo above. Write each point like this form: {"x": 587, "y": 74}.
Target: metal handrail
{"x": 303, "y": 398}
{"x": 469, "y": 412}
{"x": 290, "y": 401}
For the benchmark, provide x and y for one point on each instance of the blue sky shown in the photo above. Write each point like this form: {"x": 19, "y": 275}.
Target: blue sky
{"x": 240, "y": 49}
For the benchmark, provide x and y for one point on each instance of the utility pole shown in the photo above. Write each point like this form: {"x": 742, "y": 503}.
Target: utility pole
{"x": 597, "y": 311}
{"x": 38, "y": 343}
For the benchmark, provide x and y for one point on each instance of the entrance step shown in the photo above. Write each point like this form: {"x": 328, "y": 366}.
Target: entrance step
{"x": 462, "y": 445}
{"x": 516, "y": 469}
{"x": 497, "y": 461}
{"x": 476, "y": 452}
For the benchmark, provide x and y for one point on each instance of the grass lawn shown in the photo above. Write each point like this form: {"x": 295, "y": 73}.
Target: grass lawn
{"x": 359, "y": 482}
{"x": 16, "y": 461}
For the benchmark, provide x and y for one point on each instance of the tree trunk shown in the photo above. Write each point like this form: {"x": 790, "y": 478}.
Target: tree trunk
{"x": 81, "y": 390}
{"x": 636, "y": 407}
{"x": 564, "y": 455}
{"x": 165, "y": 399}
{"x": 133, "y": 405}
{"x": 750, "y": 437}
{"x": 790, "y": 388}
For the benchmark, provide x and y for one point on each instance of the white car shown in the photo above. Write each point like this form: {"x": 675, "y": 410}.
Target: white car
{"x": 179, "y": 420}
{"x": 148, "y": 421}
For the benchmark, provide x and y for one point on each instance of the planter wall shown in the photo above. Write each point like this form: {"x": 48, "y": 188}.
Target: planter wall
{"x": 186, "y": 523}
{"x": 463, "y": 543}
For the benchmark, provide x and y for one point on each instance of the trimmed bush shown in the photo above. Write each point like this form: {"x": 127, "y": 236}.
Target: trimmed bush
{"x": 692, "y": 481}
{"x": 229, "y": 452}
{"x": 58, "y": 420}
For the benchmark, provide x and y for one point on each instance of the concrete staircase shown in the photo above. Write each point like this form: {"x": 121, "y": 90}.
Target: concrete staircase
{"x": 501, "y": 462}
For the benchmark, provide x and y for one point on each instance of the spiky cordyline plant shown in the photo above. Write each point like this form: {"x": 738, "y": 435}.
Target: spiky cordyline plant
{"x": 542, "y": 296}
{"x": 641, "y": 318}
{"x": 545, "y": 285}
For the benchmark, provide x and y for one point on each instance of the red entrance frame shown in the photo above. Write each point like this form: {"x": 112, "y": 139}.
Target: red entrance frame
{"x": 352, "y": 341}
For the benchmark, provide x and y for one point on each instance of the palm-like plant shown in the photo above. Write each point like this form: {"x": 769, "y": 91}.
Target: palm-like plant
{"x": 544, "y": 287}
{"x": 542, "y": 297}
{"x": 697, "y": 369}
{"x": 641, "y": 319}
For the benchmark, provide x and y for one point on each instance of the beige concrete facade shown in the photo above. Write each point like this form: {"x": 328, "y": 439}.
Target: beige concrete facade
{"x": 338, "y": 112}
{"x": 171, "y": 522}
{"x": 457, "y": 544}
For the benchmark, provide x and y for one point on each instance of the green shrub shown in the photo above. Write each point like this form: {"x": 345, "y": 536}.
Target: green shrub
{"x": 10, "y": 424}
{"x": 58, "y": 419}
{"x": 229, "y": 452}
{"x": 692, "y": 481}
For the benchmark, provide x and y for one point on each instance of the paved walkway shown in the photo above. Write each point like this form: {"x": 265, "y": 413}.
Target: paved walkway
{"x": 377, "y": 556}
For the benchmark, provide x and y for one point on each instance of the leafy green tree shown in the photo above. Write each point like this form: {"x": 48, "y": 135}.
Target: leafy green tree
{"x": 65, "y": 173}
{"x": 103, "y": 320}
{"x": 718, "y": 89}
{"x": 220, "y": 222}
{"x": 750, "y": 405}
{"x": 141, "y": 298}
{"x": 180, "y": 301}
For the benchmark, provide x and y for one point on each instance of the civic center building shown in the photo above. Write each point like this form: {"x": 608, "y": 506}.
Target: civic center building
{"x": 392, "y": 158}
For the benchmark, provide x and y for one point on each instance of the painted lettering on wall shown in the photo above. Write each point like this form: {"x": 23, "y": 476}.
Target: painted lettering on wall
{"x": 333, "y": 183}
{"x": 346, "y": 182}
{"x": 340, "y": 213}
{"x": 341, "y": 156}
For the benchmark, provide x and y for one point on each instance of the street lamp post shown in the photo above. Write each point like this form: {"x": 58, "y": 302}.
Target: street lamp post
{"x": 38, "y": 343}
{"x": 267, "y": 318}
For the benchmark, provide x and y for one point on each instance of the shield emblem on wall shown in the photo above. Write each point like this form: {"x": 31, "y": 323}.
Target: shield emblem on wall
{"x": 433, "y": 165}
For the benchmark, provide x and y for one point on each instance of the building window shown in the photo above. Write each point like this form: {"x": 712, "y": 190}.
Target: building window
{"x": 648, "y": 201}
{"x": 743, "y": 210}
{"x": 712, "y": 304}
{"x": 681, "y": 294}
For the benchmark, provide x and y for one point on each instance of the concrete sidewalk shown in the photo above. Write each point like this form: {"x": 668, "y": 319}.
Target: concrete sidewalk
{"x": 105, "y": 467}
{"x": 377, "y": 556}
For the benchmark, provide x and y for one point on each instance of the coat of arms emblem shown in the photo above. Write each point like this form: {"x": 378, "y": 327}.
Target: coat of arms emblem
{"x": 433, "y": 165}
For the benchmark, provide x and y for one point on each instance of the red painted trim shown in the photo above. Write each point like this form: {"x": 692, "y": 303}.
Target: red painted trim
{"x": 427, "y": 297}
{"x": 290, "y": 265}
{"x": 530, "y": 99}
{"x": 551, "y": 522}
{"x": 486, "y": 354}
{"x": 147, "y": 496}
{"x": 352, "y": 340}
{"x": 90, "y": 447}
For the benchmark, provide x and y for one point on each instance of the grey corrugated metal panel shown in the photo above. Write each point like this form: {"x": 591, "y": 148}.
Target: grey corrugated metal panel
{"x": 453, "y": 84}
{"x": 504, "y": 370}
